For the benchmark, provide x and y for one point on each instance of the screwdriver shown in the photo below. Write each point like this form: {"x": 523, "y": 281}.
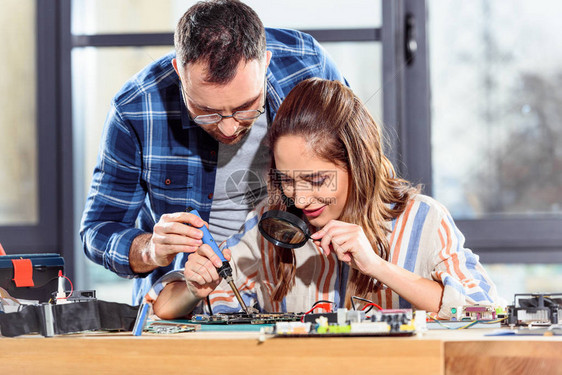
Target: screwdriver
{"x": 224, "y": 271}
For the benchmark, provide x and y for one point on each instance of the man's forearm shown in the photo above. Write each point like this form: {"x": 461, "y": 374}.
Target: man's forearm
{"x": 140, "y": 260}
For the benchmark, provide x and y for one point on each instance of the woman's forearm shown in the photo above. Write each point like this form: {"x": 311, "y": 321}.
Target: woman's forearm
{"x": 422, "y": 293}
{"x": 175, "y": 301}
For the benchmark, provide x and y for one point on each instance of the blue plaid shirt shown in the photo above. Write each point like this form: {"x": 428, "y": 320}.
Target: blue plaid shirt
{"x": 153, "y": 160}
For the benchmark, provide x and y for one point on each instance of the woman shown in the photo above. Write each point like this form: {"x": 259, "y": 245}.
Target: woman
{"x": 375, "y": 237}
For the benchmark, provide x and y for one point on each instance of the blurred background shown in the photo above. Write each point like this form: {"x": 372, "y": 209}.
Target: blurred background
{"x": 469, "y": 94}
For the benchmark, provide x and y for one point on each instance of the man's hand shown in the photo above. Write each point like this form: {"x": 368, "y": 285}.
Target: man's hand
{"x": 201, "y": 271}
{"x": 170, "y": 236}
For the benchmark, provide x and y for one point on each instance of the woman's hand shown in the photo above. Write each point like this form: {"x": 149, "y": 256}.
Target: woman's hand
{"x": 350, "y": 244}
{"x": 201, "y": 271}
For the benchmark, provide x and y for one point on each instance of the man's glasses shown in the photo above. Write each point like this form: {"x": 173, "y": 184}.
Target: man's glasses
{"x": 238, "y": 116}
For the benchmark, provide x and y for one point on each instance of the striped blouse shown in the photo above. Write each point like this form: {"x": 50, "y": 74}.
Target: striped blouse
{"x": 423, "y": 240}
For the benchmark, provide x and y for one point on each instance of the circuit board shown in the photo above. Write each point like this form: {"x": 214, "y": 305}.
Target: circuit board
{"x": 243, "y": 318}
{"x": 314, "y": 333}
{"x": 170, "y": 327}
{"x": 343, "y": 323}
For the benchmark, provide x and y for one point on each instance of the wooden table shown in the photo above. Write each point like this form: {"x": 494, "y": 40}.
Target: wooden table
{"x": 434, "y": 352}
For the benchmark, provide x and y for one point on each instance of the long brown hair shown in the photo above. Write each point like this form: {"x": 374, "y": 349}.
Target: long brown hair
{"x": 339, "y": 129}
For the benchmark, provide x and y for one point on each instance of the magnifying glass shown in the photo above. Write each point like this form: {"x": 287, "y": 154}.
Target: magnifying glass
{"x": 284, "y": 229}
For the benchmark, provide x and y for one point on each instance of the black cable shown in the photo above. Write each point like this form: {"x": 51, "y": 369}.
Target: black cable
{"x": 360, "y": 299}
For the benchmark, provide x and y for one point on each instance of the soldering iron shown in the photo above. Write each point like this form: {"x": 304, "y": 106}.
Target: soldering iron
{"x": 224, "y": 271}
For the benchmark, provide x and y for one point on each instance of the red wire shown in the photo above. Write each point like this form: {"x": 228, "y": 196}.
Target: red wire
{"x": 320, "y": 305}
{"x": 71, "y": 287}
{"x": 371, "y": 304}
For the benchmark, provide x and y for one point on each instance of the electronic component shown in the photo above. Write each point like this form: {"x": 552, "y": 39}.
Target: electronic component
{"x": 60, "y": 291}
{"x": 75, "y": 296}
{"x": 470, "y": 316}
{"x": 170, "y": 327}
{"x": 243, "y": 318}
{"x": 535, "y": 309}
{"x": 399, "y": 320}
{"x": 343, "y": 322}
{"x": 82, "y": 295}
{"x": 285, "y": 328}
{"x": 475, "y": 312}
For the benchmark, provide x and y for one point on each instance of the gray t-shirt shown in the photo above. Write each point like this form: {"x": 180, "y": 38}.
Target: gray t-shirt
{"x": 240, "y": 181}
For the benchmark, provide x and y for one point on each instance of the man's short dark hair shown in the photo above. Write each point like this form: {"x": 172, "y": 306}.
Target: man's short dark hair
{"x": 220, "y": 33}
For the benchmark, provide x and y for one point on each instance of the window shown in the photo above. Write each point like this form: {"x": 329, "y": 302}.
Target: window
{"x": 496, "y": 144}
{"x": 29, "y": 214}
{"x": 495, "y": 106}
{"x": 18, "y": 150}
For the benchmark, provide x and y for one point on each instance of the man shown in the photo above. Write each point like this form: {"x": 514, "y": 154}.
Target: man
{"x": 187, "y": 132}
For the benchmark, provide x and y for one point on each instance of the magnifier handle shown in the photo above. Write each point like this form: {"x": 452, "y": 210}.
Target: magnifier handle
{"x": 208, "y": 238}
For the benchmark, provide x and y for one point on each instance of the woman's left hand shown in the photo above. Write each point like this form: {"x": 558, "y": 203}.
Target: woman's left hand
{"x": 350, "y": 244}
